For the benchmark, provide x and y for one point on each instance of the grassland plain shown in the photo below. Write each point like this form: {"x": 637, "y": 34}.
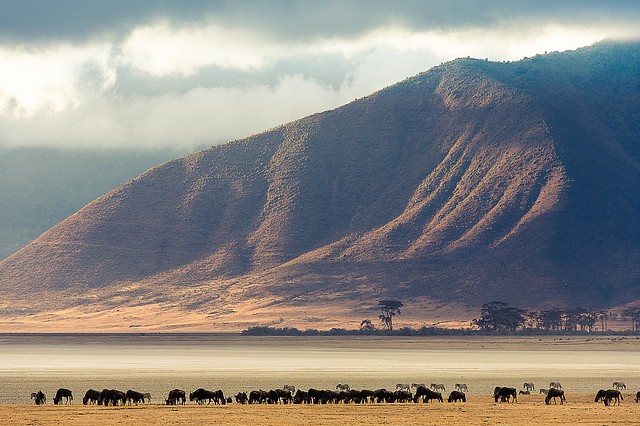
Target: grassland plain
{"x": 579, "y": 409}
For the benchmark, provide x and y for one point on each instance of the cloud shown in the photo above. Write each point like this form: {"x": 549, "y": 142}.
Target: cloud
{"x": 165, "y": 75}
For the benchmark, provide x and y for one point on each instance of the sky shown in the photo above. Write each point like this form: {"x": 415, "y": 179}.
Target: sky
{"x": 152, "y": 74}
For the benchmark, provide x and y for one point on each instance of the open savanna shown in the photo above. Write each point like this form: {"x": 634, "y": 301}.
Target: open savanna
{"x": 579, "y": 409}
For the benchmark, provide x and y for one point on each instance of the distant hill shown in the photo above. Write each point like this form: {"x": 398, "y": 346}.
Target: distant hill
{"x": 39, "y": 187}
{"x": 472, "y": 182}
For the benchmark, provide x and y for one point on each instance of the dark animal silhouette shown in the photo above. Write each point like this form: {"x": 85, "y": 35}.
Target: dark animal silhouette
{"x": 301, "y": 397}
{"x": 426, "y": 394}
{"x": 524, "y": 392}
{"x": 201, "y": 395}
{"x": 456, "y": 396}
{"x": 402, "y": 396}
{"x": 553, "y": 393}
{"x": 112, "y": 396}
{"x": 133, "y": 397}
{"x": 176, "y": 396}
{"x": 242, "y": 398}
{"x": 257, "y": 396}
{"x": 383, "y": 395}
{"x": 609, "y": 395}
{"x": 504, "y": 393}
{"x": 91, "y": 397}
{"x": 39, "y": 397}
{"x": 63, "y": 393}
{"x": 637, "y": 396}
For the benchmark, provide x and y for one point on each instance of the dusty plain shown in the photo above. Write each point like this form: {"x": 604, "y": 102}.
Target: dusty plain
{"x": 580, "y": 409}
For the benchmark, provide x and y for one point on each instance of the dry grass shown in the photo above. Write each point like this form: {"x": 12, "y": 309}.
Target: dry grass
{"x": 580, "y": 409}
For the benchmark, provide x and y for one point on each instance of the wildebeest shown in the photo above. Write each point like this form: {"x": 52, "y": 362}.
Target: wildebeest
{"x": 426, "y": 394}
{"x": 241, "y": 398}
{"x": 112, "y": 396}
{"x": 201, "y": 395}
{"x": 91, "y": 397}
{"x": 524, "y": 392}
{"x": 133, "y": 397}
{"x": 417, "y": 385}
{"x": 637, "y": 396}
{"x": 383, "y": 395}
{"x": 456, "y": 396}
{"x": 619, "y": 385}
{"x": 528, "y": 386}
{"x": 555, "y": 385}
{"x": 301, "y": 397}
{"x": 176, "y": 396}
{"x": 462, "y": 387}
{"x": 608, "y": 395}
{"x": 402, "y": 396}
{"x": 504, "y": 393}
{"x": 258, "y": 396}
{"x": 39, "y": 397}
{"x": 553, "y": 393}
{"x": 437, "y": 387}
{"x": 63, "y": 393}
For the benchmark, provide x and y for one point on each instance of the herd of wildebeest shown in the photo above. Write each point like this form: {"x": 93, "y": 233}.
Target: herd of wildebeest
{"x": 288, "y": 394}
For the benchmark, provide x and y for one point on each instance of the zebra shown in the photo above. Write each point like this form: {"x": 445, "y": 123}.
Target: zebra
{"x": 528, "y": 386}
{"x": 619, "y": 385}
{"x": 343, "y": 387}
{"x": 462, "y": 387}
{"x": 437, "y": 386}
{"x": 403, "y": 387}
{"x": 289, "y": 388}
{"x": 555, "y": 385}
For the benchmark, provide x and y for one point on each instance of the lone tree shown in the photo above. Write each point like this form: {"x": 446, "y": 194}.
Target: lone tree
{"x": 389, "y": 309}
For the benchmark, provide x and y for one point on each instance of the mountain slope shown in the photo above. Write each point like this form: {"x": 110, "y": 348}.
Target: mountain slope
{"x": 471, "y": 182}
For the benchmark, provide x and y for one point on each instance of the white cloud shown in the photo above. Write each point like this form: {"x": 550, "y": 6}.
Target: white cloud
{"x": 67, "y": 95}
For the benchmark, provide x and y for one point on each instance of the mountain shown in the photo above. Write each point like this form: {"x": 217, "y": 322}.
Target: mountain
{"x": 474, "y": 181}
{"x": 39, "y": 187}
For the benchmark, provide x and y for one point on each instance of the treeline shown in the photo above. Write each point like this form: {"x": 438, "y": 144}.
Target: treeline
{"x": 495, "y": 318}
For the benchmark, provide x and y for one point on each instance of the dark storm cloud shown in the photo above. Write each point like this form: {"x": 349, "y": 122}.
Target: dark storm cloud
{"x": 75, "y": 20}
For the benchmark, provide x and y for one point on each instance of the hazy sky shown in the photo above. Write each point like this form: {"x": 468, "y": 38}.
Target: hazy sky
{"x": 144, "y": 74}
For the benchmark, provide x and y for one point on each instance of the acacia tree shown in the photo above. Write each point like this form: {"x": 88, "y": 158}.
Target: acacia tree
{"x": 389, "y": 308}
{"x": 633, "y": 313}
{"x": 367, "y": 326}
{"x": 499, "y": 316}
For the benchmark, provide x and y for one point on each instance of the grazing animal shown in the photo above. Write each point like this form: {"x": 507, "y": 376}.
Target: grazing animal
{"x": 524, "y": 392}
{"x": 63, "y": 393}
{"x": 528, "y": 386}
{"x": 426, "y": 394}
{"x": 383, "y": 395}
{"x": 241, "y": 398}
{"x": 39, "y": 397}
{"x": 301, "y": 397}
{"x": 201, "y": 395}
{"x": 544, "y": 391}
{"x": 402, "y": 396}
{"x": 133, "y": 397}
{"x": 113, "y": 396}
{"x": 437, "y": 386}
{"x": 456, "y": 396}
{"x": 619, "y": 385}
{"x": 366, "y": 395}
{"x": 290, "y": 388}
{"x": 637, "y": 396}
{"x": 146, "y": 396}
{"x": 553, "y": 393}
{"x": 504, "y": 393}
{"x": 609, "y": 395}
{"x": 555, "y": 385}
{"x": 176, "y": 396}
{"x": 343, "y": 387}
{"x": 462, "y": 387}
{"x": 91, "y": 397}
{"x": 417, "y": 385}
{"x": 258, "y": 396}
{"x": 403, "y": 387}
